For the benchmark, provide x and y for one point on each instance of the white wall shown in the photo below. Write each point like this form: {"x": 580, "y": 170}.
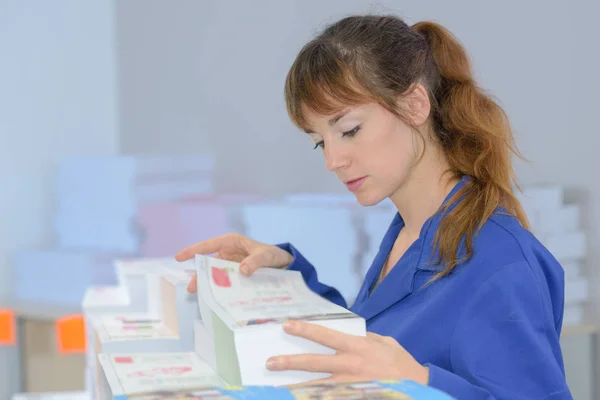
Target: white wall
{"x": 209, "y": 75}
{"x": 58, "y": 97}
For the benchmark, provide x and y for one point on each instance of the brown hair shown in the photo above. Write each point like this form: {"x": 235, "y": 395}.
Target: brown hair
{"x": 379, "y": 58}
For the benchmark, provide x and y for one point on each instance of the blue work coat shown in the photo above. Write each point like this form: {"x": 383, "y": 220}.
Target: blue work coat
{"x": 489, "y": 330}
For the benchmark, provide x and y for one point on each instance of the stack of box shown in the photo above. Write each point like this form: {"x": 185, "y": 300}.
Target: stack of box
{"x": 59, "y": 278}
{"x": 557, "y": 225}
{"x": 167, "y": 227}
{"x": 101, "y": 206}
{"x": 99, "y": 197}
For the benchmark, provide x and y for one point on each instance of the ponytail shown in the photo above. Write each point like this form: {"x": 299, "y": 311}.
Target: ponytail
{"x": 477, "y": 139}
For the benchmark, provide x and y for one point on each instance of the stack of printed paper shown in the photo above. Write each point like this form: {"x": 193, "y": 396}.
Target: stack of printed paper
{"x": 405, "y": 390}
{"x": 151, "y": 311}
{"x": 135, "y": 374}
{"x": 244, "y": 315}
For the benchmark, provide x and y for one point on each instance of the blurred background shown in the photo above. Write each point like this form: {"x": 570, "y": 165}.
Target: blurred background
{"x": 137, "y": 127}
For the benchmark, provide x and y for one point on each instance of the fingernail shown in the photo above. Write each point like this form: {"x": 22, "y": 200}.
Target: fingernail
{"x": 289, "y": 326}
{"x": 272, "y": 363}
{"x": 244, "y": 269}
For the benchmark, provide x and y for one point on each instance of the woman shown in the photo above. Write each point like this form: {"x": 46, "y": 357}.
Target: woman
{"x": 461, "y": 296}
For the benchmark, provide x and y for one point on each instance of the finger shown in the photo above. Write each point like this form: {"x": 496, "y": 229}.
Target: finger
{"x": 327, "y": 337}
{"x": 192, "y": 286}
{"x": 308, "y": 362}
{"x": 331, "y": 379}
{"x": 376, "y": 337}
{"x": 335, "y": 379}
{"x": 204, "y": 247}
{"x": 253, "y": 262}
{"x": 386, "y": 340}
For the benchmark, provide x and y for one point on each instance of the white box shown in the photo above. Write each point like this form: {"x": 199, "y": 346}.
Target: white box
{"x": 541, "y": 203}
{"x": 96, "y": 233}
{"x": 565, "y": 246}
{"x": 120, "y": 183}
{"x": 60, "y": 277}
{"x": 325, "y": 234}
{"x": 572, "y": 269}
{"x": 576, "y": 290}
{"x": 564, "y": 220}
{"x": 570, "y": 218}
{"x": 573, "y": 315}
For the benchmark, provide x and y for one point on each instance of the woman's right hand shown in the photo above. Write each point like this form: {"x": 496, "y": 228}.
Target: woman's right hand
{"x": 251, "y": 254}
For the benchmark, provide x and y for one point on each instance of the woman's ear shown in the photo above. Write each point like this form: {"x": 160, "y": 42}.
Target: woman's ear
{"x": 417, "y": 105}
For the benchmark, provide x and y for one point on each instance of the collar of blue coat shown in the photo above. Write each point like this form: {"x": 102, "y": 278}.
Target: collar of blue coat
{"x": 399, "y": 283}
{"x": 427, "y": 234}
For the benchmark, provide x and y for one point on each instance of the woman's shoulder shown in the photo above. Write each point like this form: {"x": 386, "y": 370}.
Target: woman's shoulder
{"x": 503, "y": 237}
{"x": 509, "y": 258}
{"x": 505, "y": 248}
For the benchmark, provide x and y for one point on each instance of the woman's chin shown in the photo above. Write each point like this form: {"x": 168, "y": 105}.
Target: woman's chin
{"x": 367, "y": 199}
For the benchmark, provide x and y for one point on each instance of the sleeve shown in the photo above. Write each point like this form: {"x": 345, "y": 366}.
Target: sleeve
{"x": 309, "y": 273}
{"x": 505, "y": 345}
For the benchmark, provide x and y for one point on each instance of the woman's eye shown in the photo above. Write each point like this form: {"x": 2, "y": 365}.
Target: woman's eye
{"x": 319, "y": 144}
{"x": 351, "y": 132}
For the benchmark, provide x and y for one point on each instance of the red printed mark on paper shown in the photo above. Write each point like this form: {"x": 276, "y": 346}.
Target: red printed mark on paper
{"x": 221, "y": 277}
{"x": 160, "y": 371}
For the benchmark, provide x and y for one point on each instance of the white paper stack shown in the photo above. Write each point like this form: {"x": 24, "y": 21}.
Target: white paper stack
{"x": 243, "y": 317}
{"x": 324, "y": 230}
{"x": 129, "y": 333}
{"x": 136, "y": 374}
{"x": 99, "y": 197}
{"x": 152, "y": 291}
{"x": 203, "y": 342}
{"x": 558, "y": 226}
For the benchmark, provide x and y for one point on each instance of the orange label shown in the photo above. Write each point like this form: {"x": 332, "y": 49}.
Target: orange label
{"x": 70, "y": 334}
{"x": 8, "y": 335}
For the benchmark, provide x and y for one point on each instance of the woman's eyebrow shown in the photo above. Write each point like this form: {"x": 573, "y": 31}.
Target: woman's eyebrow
{"x": 333, "y": 120}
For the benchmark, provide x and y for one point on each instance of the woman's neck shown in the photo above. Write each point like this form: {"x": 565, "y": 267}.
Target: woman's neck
{"x": 423, "y": 193}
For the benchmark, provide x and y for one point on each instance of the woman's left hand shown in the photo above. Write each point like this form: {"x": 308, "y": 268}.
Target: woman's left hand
{"x": 357, "y": 358}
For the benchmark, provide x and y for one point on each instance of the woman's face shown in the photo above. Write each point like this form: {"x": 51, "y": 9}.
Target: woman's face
{"x": 369, "y": 149}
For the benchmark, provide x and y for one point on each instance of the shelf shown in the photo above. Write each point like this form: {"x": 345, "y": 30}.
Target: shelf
{"x": 38, "y": 310}
{"x": 583, "y": 329}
